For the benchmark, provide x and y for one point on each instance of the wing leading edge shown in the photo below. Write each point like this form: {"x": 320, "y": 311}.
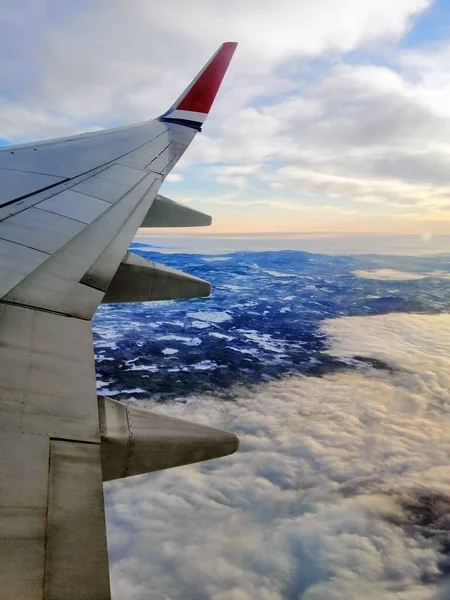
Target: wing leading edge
{"x": 69, "y": 209}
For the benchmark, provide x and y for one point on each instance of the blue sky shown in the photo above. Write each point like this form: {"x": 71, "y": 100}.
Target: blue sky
{"x": 335, "y": 124}
{"x": 431, "y": 27}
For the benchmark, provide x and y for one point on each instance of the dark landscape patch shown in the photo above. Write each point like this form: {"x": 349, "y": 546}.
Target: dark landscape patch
{"x": 262, "y": 322}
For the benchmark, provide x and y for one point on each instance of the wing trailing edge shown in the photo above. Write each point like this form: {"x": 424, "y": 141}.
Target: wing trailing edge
{"x": 194, "y": 104}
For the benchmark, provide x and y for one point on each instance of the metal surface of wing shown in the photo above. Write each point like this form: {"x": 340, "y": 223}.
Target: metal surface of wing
{"x": 135, "y": 441}
{"x": 140, "y": 280}
{"x": 168, "y": 213}
{"x": 69, "y": 209}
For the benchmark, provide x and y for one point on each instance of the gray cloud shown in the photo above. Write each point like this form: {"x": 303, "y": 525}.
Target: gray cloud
{"x": 107, "y": 59}
{"x": 359, "y": 132}
{"x": 325, "y": 498}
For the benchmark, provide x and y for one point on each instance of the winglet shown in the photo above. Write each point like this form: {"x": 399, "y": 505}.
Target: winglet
{"x": 192, "y": 107}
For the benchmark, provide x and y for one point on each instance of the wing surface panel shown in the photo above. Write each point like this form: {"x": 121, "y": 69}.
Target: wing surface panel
{"x": 100, "y": 188}
{"x": 78, "y": 154}
{"x": 16, "y": 184}
{"x": 74, "y": 205}
{"x": 55, "y": 285}
{"x": 47, "y": 394}
{"x": 75, "y": 522}
{"x": 104, "y": 268}
{"x": 39, "y": 229}
{"x": 23, "y": 506}
{"x": 16, "y": 262}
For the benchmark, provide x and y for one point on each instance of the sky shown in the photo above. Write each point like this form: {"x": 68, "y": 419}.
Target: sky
{"x": 334, "y": 115}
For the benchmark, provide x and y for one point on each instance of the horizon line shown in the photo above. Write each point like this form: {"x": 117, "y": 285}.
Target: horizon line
{"x": 160, "y": 232}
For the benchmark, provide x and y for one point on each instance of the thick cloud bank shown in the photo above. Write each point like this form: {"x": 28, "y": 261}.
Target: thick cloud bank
{"x": 341, "y": 488}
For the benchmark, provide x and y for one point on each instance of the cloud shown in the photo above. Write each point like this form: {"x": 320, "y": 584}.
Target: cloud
{"x": 340, "y": 489}
{"x": 351, "y": 132}
{"x": 174, "y": 177}
{"x": 393, "y": 275}
{"x": 302, "y": 112}
{"x": 119, "y": 54}
{"x": 361, "y": 132}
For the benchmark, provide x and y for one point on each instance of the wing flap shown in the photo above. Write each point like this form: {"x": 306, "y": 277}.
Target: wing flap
{"x": 47, "y": 390}
{"x": 139, "y": 159}
{"x": 23, "y": 506}
{"x": 160, "y": 162}
{"x": 102, "y": 271}
{"x": 75, "y": 521}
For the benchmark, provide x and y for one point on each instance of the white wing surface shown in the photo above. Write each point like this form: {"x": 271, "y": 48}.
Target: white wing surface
{"x": 69, "y": 209}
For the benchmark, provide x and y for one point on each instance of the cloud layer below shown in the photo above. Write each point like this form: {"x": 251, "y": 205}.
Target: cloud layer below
{"x": 393, "y": 275}
{"x": 341, "y": 488}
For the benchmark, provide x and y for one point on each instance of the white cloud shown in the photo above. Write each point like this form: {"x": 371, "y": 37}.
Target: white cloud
{"x": 33, "y": 121}
{"x": 362, "y": 132}
{"x": 393, "y": 275}
{"x": 109, "y": 59}
{"x": 326, "y": 497}
{"x": 352, "y": 132}
{"x": 174, "y": 177}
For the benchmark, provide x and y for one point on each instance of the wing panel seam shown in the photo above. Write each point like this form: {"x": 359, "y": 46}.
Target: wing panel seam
{"x": 158, "y": 155}
{"x": 25, "y": 246}
{"x": 60, "y": 215}
{"x": 92, "y": 195}
{"x": 44, "y": 189}
{"x": 38, "y": 308}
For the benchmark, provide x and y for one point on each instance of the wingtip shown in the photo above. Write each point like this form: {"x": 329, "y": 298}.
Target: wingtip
{"x": 229, "y": 47}
{"x": 193, "y": 106}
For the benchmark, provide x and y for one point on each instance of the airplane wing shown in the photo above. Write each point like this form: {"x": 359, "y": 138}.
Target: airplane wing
{"x": 69, "y": 209}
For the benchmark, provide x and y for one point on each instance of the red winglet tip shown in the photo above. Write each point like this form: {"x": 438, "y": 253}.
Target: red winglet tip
{"x": 203, "y": 92}
{"x": 196, "y": 101}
